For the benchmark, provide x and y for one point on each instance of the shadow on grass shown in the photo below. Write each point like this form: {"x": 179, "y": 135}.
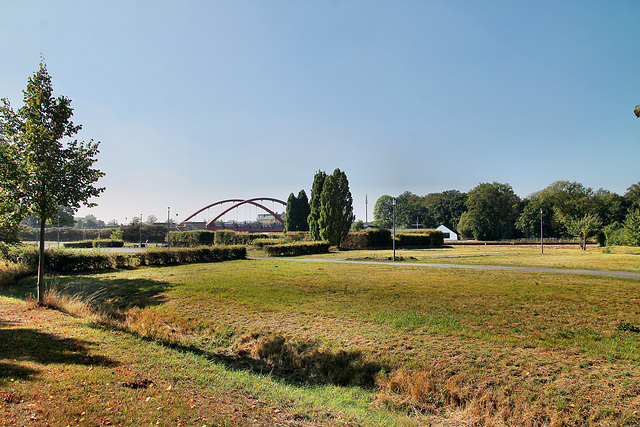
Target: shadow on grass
{"x": 115, "y": 295}
{"x": 298, "y": 364}
{"x": 24, "y": 344}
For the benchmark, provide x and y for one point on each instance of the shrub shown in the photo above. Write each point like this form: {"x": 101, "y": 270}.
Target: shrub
{"x": 226, "y": 237}
{"x": 192, "y": 238}
{"x": 296, "y": 236}
{"x": 419, "y": 238}
{"x": 78, "y": 245}
{"x": 249, "y": 238}
{"x": 375, "y": 238}
{"x": 297, "y": 249}
{"x": 66, "y": 262}
{"x": 261, "y": 243}
{"x": 193, "y": 255}
{"x": 108, "y": 243}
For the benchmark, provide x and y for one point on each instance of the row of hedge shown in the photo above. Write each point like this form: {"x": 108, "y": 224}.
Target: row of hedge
{"x": 98, "y": 243}
{"x": 382, "y": 238}
{"x": 59, "y": 261}
{"x": 297, "y": 249}
{"x": 207, "y": 237}
{"x": 155, "y": 233}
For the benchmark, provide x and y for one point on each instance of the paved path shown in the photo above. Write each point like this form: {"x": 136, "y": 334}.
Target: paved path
{"x": 622, "y": 274}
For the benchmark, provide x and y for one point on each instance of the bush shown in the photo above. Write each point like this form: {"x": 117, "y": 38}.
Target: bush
{"x": 296, "y": 236}
{"x": 192, "y": 255}
{"x": 58, "y": 261}
{"x": 192, "y": 238}
{"x": 249, "y": 238}
{"x": 108, "y": 243}
{"x": 375, "y": 238}
{"x": 297, "y": 249}
{"x": 226, "y": 237}
{"x": 261, "y": 243}
{"x": 419, "y": 238}
{"x": 78, "y": 245}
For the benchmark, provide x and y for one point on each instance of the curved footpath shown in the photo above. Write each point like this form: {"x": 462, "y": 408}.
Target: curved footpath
{"x": 622, "y": 274}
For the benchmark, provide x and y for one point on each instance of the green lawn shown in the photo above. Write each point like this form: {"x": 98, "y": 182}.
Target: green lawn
{"x": 371, "y": 344}
{"x": 572, "y": 257}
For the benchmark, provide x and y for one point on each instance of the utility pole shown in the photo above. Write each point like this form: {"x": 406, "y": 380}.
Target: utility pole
{"x": 366, "y": 208}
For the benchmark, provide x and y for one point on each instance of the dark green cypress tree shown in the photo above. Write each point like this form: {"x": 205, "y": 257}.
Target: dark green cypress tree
{"x": 314, "y": 205}
{"x": 303, "y": 211}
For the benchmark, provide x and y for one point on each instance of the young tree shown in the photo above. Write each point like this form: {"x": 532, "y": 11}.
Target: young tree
{"x": 52, "y": 170}
{"x": 314, "y": 205}
{"x": 584, "y": 227}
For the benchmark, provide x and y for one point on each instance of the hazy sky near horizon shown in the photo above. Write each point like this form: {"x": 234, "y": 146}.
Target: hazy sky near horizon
{"x": 199, "y": 101}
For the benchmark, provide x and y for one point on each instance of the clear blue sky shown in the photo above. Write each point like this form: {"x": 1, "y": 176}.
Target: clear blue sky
{"x": 198, "y": 101}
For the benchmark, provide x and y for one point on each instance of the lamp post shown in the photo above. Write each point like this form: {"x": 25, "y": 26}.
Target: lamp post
{"x": 168, "y": 226}
{"x": 541, "y": 237}
{"x": 394, "y": 229}
{"x": 140, "y": 230}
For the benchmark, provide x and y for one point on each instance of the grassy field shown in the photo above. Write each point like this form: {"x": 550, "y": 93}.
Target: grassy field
{"x": 275, "y": 342}
{"x": 617, "y": 258}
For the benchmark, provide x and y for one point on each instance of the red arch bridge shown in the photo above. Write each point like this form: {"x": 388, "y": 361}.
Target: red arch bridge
{"x": 275, "y": 224}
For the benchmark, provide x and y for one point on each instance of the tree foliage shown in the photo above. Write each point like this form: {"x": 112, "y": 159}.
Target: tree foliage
{"x": 528, "y": 222}
{"x": 298, "y": 211}
{"x": 584, "y": 227}
{"x": 383, "y": 211}
{"x": 632, "y": 227}
{"x": 492, "y": 211}
{"x": 336, "y": 208}
{"x": 51, "y": 170}
{"x": 314, "y": 205}
{"x": 331, "y": 207}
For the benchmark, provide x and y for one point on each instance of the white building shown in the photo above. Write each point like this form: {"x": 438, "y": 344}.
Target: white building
{"x": 448, "y": 234}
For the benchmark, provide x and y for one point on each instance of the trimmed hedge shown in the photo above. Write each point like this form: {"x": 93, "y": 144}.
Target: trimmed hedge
{"x": 419, "y": 238}
{"x": 193, "y": 238}
{"x": 192, "y": 255}
{"x": 376, "y": 238}
{"x": 78, "y": 245}
{"x": 108, "y": 243}
{"x": 261, "y": 243}
{"x": 296, "y": 249}
{"x": 59, "y": 261}
{"x": 219, "y": 237}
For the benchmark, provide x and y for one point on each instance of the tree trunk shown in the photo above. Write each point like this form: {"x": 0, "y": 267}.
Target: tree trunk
{"x": 40, "y": 284}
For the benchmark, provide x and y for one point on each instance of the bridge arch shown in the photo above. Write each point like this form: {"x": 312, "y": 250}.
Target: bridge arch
{"x": 236, "y": 204}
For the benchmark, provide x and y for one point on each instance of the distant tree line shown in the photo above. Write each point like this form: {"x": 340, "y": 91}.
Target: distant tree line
{"x": 492, "y": 211}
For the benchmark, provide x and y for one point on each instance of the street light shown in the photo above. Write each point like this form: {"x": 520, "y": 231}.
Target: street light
{"x": 168, "y": 226}
{"x": 541, "y": 238}
{"x": 140, "y": 230}
{"x": 394, "y": 229}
